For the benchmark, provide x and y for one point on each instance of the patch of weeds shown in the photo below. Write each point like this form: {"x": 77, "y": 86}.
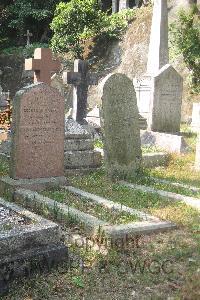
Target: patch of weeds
{"x": 113, "y": 216}
{"x": 151, "y": 149}
{"x": 98, "y": 144}
{"x": 4, "y": 167}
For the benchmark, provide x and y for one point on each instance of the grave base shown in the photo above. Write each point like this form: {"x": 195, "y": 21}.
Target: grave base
{"x": 29, "y": 262}
{"x": 9, "y": 185}
{"x": 35, "y": 245}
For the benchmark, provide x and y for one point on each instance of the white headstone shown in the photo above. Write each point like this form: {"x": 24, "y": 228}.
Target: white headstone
{"x": 166, "y": 100}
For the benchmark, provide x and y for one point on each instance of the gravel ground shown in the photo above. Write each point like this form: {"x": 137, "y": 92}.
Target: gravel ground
{"x": 9, "y": 219}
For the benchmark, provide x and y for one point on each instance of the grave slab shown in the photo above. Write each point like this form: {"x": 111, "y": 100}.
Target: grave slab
{"x": 34, "y": 245}
{"x": 166, "y": 141}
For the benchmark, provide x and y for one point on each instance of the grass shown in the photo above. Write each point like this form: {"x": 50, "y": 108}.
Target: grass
{"x": 112, "y": 216}
{"x": 4, "y": 167}
{"x": 162, "y": 266}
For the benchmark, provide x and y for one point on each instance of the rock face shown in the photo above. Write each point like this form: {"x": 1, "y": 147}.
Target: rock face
{"x": 37, "y": 142}
{"x": 121, "y": 126}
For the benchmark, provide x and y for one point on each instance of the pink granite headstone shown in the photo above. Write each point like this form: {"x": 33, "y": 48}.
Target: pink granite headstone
{"x": 37, "y": 133}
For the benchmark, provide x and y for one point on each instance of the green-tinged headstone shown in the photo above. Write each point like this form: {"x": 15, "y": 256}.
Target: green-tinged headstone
{"x": 121, "y": 126}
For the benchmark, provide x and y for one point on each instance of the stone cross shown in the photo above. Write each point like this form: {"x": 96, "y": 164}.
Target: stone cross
{"x": 28, "y": 35}
{"x": 158, "y": 49}
{"x": 81, "y": 79}
{"x": 42, "y": 64}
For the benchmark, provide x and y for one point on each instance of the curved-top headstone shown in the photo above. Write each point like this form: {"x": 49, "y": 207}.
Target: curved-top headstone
{"x": 37, "y": 143}
{"x": 121, "y": 128}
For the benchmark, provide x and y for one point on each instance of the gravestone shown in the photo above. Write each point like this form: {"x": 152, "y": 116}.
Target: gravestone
{"x": 195, "y": 125}
{"x": 43, "y": 65}
{"x": 37, "y": 143}
{"x": 121, "y": 126}
{"x": 80, "y": 79}
{"x": 197, "y": 158}
{"x": 159, "y": 91}
{"x": 167, "y": 100}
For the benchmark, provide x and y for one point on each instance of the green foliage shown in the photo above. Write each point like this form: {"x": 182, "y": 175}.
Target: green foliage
{"x": 78, "y": 20}
{"x": 19, "y": 15}
{"x": 73, "y": 23}
{"x": 185, "y": 40}
{"x": 26, "y": 51}
{"x": 117, "y": 23}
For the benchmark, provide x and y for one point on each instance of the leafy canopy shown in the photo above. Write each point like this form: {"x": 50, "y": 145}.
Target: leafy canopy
{"x": 78, "y": 20}
{"x": 185, "y": 40}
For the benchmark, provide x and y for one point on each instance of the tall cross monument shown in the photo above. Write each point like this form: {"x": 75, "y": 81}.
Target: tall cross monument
{"x": 80, "y": 78}
{"x": 158, "y": 49}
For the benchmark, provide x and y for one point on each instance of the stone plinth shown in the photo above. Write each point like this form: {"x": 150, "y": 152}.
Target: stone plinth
{"x": 80, "y": 156}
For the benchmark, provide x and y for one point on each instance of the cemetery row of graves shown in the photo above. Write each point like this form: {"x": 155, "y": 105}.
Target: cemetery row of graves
{"x": 110, "y": 215}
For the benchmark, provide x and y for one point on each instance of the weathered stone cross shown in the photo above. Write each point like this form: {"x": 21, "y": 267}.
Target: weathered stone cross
{"x": 81, "y": 79}
{"x": 42, "y": 64}
{"x": 28, "y": 35}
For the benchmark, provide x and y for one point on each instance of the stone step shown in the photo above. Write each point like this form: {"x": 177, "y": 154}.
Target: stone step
{"x": 78, "y": 144}
{"x": 82, "y": 159}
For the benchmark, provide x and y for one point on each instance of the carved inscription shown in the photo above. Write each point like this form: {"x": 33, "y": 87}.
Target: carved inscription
{"x": 39, "y": 133}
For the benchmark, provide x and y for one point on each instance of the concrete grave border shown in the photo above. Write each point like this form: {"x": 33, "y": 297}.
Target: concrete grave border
{"x": 176, "y": 184}
{"x": 93, "y": 225}
{"x": 191, "y": 201}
